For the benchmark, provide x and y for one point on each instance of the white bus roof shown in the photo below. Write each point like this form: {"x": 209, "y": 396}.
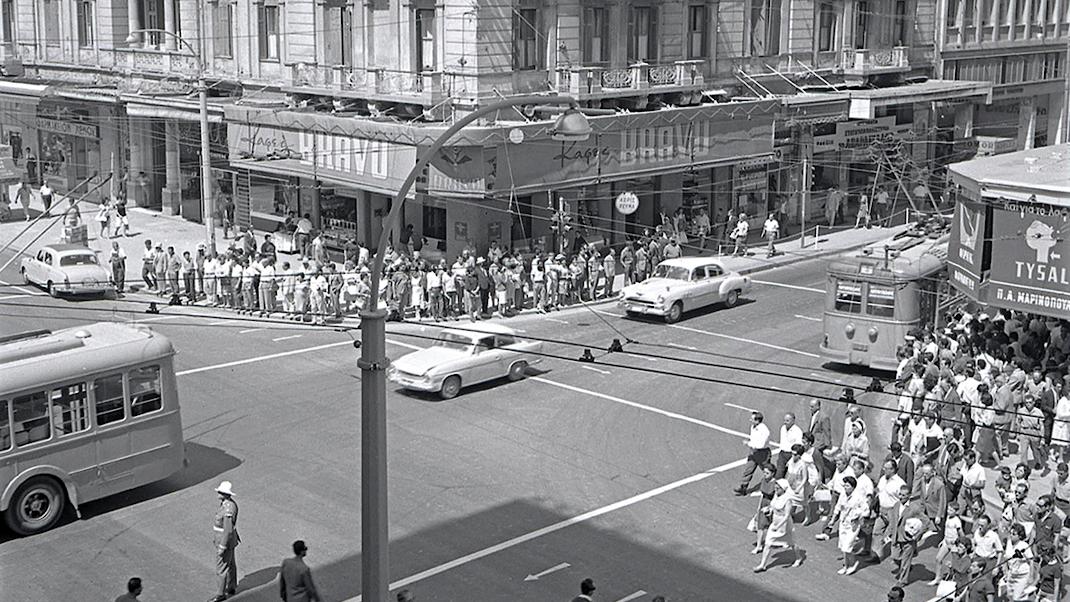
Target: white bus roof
{"x": 39, "y": 358}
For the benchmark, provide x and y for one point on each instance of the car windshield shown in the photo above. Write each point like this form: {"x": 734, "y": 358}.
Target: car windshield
{"x": 672, "y": 272}
{"x": 78, "y": 259}
{"x": 451, "y": 340}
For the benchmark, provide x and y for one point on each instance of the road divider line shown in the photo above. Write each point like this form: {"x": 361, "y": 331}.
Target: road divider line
{"x": 739, "y": 407}
{"x": 158, "y": 319}
{"x": 679, "y": 346}
{"x": 15, "y": 296}
{"x": 796, "y": 287}
{"x": 640, "y": 406}
{"x": 262, "y": 358}
{"x": 633, "y": 596}
{"x": 248, "y": 330}
{"x": 221, "y": 322}
{"x": 23, "y": 289}
{"x": 593, "y": 369}
{"x": 286, "y": 338}
{"x": 553, "y": 528}
{"x": 807, "y": 318}
{"x": 743, "y": 340}
{"x": 405, "y": 345}
{"x": 556, "y": 320}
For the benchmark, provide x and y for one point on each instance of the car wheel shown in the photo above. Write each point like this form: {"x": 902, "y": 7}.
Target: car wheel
{"x": 732, "y": 299}
{"x": 25, "y": 278}
{"x": 50, "y": 289}
{"x": 518, "y": 370}
{"x": 37, "y": 506}
{"x": 674, "y": 314}
{"x": 451, "y": 387}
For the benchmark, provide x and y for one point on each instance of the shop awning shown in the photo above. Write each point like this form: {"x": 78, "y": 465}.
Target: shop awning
{"x": 864, "y": 103}
{"x": 25, "y": 89}
{"x": 298, "y": 169}
{"x": 1040, "y": 175}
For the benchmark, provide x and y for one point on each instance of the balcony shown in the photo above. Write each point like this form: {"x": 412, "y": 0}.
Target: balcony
{"x": 368, "y": 82}
{"x": 864, "y": 62}
{"x": 640, "y": 78}
{"x": 149, "y": 61}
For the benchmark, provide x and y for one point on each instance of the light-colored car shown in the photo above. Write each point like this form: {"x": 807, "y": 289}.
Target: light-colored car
{"x": 684, "y": 284}
{"x": 460, "y": 358}
{"x": 67, "y": 268}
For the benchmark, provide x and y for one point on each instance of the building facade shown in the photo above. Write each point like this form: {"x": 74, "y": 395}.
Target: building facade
{"x": 322, "y": 107}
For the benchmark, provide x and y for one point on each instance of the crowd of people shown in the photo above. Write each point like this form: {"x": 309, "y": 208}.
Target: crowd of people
{"x": 987, "y": 393}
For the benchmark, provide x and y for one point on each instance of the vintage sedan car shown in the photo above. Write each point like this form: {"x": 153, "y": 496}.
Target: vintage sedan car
{"x": 459, "y": 358}
{"x": 684, "y": 284}
{"x": 67, "y": 268}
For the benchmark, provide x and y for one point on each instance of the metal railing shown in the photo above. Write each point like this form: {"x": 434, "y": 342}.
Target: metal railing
{"x": 594, "y": 79}
{"x": 377, "y": 80}
{"x": 876, "y": 59}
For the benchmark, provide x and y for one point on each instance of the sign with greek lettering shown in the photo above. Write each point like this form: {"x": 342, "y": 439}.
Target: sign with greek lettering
{"x": 627, "y": 203}
{"x": 69, "y": 128}
{"x": 1031, "y": 258}
{"x": 966, "y": 246}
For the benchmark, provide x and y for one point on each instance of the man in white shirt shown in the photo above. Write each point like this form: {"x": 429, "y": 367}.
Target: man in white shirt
{"x": 973, "y": 478}
{"x": 790, "y": 434}
{"x": 887, "y": 497}
{"x": 758, "y": 446}
{"x": 267, "y": 286}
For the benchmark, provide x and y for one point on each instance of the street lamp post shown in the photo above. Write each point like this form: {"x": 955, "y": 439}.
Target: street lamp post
{"x": 207, "y": 201}
{"x": 374, "y": 538}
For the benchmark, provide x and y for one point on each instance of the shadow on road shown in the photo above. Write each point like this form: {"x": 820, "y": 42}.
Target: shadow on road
{"x": 620, "y": 562}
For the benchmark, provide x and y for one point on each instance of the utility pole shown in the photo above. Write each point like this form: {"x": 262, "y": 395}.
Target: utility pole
{"x": 805, "y": 200}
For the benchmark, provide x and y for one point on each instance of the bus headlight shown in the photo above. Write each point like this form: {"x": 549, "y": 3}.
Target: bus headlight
{"x": 873, "y": 333}
{"x": 849, "y": 330}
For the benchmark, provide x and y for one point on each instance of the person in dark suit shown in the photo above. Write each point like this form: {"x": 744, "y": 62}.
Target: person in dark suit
{"x": 586, "y": 591}
{"x": 930, "y": 492}
{"x": 295, "y": 578}
{"x": 909, "y": 522}
{"x": 903, "y": 462}
{"x": 821, "y": 429}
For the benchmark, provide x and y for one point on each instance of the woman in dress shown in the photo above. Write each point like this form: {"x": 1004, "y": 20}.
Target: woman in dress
{"x": 1060, "y": 431}
{"x": 852, "y": 510}
{"x": 767, "y": 489}
{"x": 798, "y": 475}
{"x": 954, "y": 532}
{"x": 1018, "y": 583}
{"x": 780, "y": 532}
{"x": 986, "y": 435}
{"x": 104, "y": 217}
{"x": 856, "y": 443}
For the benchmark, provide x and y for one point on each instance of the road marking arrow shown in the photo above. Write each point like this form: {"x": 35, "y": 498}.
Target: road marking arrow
{"x": 553, "y": 569}
{"x": 637, "y": 594}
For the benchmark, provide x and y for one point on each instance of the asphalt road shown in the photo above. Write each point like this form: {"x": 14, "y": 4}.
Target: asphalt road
{"x": 620, "y": 470}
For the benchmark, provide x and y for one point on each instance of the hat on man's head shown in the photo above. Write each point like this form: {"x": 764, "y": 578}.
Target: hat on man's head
{"x": 225, "y": 488}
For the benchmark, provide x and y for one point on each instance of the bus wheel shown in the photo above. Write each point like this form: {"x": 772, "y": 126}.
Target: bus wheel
{"x": 674, "y": 314}
{"x": 37, "y": 506}
{"x": 731, "y": 299}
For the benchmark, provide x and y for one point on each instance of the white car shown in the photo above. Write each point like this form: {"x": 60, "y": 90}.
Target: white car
{"x": 67, "y": 268}
{"x": 460, "y": 358}
{"x": 684, "y": 284}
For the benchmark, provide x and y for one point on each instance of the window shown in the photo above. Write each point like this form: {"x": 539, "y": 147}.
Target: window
{"x": 595, "y": 35}
{"x": 7, "y": 20}
{"x": 953, "y": 13}
{"x": 698, "y": 31}
{"x": 986, "y": 12}
{"x": 435, "y": 222}
{"x": 145, "y": 390}
{"x": 31, "y": 418}
{"x": 268, "y": 17}
{"x": 765, "y": 27}
{"x": 525, "y": 39}
{"x": 861, "y": 24}
{"x": 1004, "y": 12}
{"x": 338, "y": 37}
{"x": 78, "y": 259}
{"x": 425, "y": 39}
{"x": 70, "y": 409}
{"x": 85, "y": 23}
{"x": 223, "y": 29}
{"x": 826, "y": 28}
{"x": 108, "y": 396}
{"x": 968, "y": 13}
{"x": 849, "y": 296}
{"x": 504, "y": 340}
{"x": 50, "y": 16}
{"x": 642, "y": 34}
{"x": 880, "y": 301}
{"x": 484, "y": 344}
{"x": 5, "y": 427}
{"x": 900, "y": 23}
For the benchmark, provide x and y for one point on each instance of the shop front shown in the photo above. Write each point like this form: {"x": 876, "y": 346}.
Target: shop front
{"x": 73, "y": 146}
{"x": 18, "y": 116}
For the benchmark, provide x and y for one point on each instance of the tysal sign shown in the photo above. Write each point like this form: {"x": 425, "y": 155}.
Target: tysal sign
{"x": 1032, "y": 272}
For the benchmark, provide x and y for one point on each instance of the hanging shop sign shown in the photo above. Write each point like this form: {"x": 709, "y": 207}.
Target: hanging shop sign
{"x": 1033, "y": 270}
{"x": 639, "y": 143}
{"x": 859, "y": 134}
{"x": 69, "y": 128}
{"x": 627, "y": 203}
{"x": 461, "y": 170}
{"x": 966, "y": 246}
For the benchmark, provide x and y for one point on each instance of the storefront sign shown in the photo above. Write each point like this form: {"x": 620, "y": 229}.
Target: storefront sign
{"x": 640, "y": 143}
{"x": 627, "y": 203}
{"x": 69, "y": 128}
{"x": 1033, "y": 270}
{"x": 461, "y": 170}
{"x": 751, "y": 175}
{"x": 965, "y": 247}
{"x": 859, "y": 134}
{"x": 995, "y": 145}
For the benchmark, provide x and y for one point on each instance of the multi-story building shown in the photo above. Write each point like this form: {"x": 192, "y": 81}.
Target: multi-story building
{"x": 322, "y": 107}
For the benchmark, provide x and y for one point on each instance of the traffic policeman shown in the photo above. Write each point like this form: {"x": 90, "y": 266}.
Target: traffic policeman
{"x": 225, "y": 528}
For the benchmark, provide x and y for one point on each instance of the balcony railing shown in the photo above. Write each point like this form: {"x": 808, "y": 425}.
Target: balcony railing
{"x": 145, "y": 60}
{"x": 372, "y": 80}
{"x": 592, "y": 80}
{"x": 866, "y": 61}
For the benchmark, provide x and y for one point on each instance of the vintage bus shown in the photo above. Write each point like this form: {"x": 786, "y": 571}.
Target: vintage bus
{"x": 85, "y": 413}
{"x": 875, "y": 296}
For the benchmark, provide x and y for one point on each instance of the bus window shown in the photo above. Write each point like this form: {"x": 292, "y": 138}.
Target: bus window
{"x": 145, "y": 390}
{"x": 5, "y": 427}
{"x": 849, "y": 296}
{"x": 31, "y": 418}
{"x": 70, "y": 409}
{"x": 108, "y": 393}
{"x": 880, "y": 301}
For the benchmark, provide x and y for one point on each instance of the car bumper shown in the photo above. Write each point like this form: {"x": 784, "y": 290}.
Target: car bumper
{"x": 642, "y": 308}
{"x": 415, "y": 384}
{"x": 81, "y": 289}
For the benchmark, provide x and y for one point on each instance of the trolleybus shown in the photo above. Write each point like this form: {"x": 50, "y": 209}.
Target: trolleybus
{"x": 875, "y": 296}
{"x": 85, "y": 413}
